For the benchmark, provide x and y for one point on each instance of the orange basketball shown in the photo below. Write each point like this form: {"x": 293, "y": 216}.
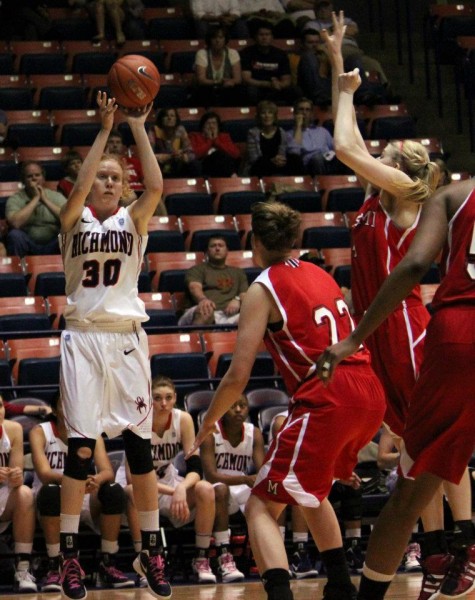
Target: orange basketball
{"x": 134, "y": 81}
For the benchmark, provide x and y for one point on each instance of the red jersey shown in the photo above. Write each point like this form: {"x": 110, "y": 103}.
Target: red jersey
{"x": 314, "y": 316}
{"x": 134, "y": 171}
{"x": 458, "y": 259}
{"x": 378, "y": 246}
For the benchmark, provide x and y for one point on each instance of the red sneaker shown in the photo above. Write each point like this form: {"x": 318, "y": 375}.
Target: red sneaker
{"x": 434, "y": 570}
{"x": 460, "y": 579}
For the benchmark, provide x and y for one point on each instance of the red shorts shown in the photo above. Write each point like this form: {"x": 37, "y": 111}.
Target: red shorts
{"x": 397, "y": 348}
{"x": 318, "y": 444}
{"x": 440, "y": 430}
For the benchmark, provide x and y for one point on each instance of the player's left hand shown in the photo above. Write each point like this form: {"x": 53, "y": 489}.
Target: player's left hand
{"x": 333, "y": 355}
{"x": 179, "y": 506}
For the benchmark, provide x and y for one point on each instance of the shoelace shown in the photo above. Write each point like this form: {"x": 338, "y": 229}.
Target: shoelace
{"x": 114, "y": 572}
{"x": 228, "y": 561}
{"x": 202, "y": 564}
{"x": 156, "y": 568}
{"x": 52, "y": 576}
{"x": 73, "y": 572}
{"x": 25, "y": 576}
{"x": 457, "y": 566}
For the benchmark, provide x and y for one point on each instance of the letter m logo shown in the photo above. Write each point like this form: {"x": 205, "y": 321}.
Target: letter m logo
{"x": 272, "y": 487}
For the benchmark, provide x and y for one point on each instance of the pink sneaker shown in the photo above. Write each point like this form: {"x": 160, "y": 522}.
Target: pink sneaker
{"x": 202, "y": 570}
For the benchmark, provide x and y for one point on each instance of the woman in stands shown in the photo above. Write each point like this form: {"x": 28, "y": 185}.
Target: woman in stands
{"x": 218, "y": 71}
{"x": 397, "y": 184}
{"x": 103, "y": 502}
{"x": 16, "y": 501}
{"x": 218, "y": 154}
{"x": 227, "y": 457}
{"x": 182, "y": 499}
{"x": 172, "y": 146}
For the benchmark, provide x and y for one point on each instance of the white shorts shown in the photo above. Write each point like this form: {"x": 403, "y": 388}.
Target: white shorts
{"x": 238, "y": 496}
{"x": 220, "y": 317}
{"x": 172, "y": 478}
{"x": 105, "y": 383}
{"x": 4, "y": 494}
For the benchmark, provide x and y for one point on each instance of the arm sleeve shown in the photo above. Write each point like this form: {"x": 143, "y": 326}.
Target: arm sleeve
{"x": 292, "y": 146}
{"x": 225, "y": 143}
{"x": 200, "y": 144}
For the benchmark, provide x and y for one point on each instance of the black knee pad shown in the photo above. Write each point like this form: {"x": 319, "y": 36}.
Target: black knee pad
{"x": 48, "y": 500}
{"x": 112, "y": 498}
{"x": 351, "y": 504}
{"x": 77, "y": 467}
{"x": 138, "y": 452}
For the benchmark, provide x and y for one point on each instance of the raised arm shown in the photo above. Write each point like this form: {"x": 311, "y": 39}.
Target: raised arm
{"x": 333, "y": 44}
{"x": 348, "y": 143}
{"x": 143, "y": 209}
{"x": 72, "y": 210}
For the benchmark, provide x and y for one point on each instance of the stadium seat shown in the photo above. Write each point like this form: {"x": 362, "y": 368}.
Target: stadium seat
{"x": 326, "y": 237}
{"x": 192, "y": 224}
{"x": 235, "y": 195}
{"x": 197, "y": 401}
{"x": 319, "y": 219}
{"x": 265, "y": 416}
{"x": 160, "y": 262}
{"x": 327, "y": 184}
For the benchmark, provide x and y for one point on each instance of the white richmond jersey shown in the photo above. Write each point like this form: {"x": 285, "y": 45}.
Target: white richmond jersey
{"x": 232, "y": 460}
{"x": 5, "y": 447}
{"x": 165, "y": 448}
{"x": 55, "y": 450}
{"x": 102, "y": 262}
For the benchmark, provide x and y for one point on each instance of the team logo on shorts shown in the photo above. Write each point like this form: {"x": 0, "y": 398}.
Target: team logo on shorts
{"x": 121, "y": 222}
{"x": 272, "y": 487}
{"x": 140, "y": 403}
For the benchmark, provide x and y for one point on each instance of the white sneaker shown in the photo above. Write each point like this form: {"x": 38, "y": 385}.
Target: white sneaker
{"x": 412, "y": 556}
{"x": 227, "y": 568}
{"x": 24, "y": 580}
{"x": 202, "y": 570}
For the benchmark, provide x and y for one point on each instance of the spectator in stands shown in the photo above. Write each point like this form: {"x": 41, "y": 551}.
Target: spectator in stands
{"x": 28, "y": 20}
{"x": 6, "y": 140}
{"x": 266, "y": 69}
{"x": 16, "y": 501}
{"x": 182, "y": 498}
{"x": 71, "y": 163}
{"x": 3, "y": 128}
{"x": 300, "y": 11}
{"x": 267, "y": 145}
{"x": 135, "y": 26}
{"x": 226, "y": 13}
{"x": 229, "y": 456}
{"x": 323, "y": 20}
{"x": 214, "y": 289}
{"x": 219, "y": 155}
{"x": 312, "y": 144}
{"x": 133, "y": 168}
{"x": 33, "y": 214}
{"x": 270, "y": 11}
{"x": 172, "y": 146}
{"x": 115, "y": 11}
{"x": 314, "y": 74}
{"x": 104, "y": 502}
{"x": 313, "y": 71}
{"x": 218, "y": 71}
